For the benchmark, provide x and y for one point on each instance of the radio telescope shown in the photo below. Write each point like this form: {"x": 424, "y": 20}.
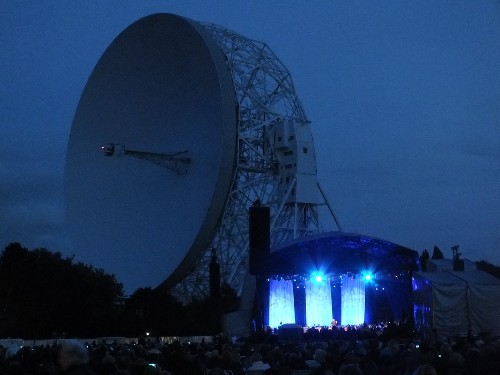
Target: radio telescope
{"x": 198, "y": 123}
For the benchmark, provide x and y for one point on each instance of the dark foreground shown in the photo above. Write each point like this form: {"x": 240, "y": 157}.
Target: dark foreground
{"x": 363, "y": 350}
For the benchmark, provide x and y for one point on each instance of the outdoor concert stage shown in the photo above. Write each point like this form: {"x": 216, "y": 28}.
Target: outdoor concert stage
{"x": 349, "y": 278}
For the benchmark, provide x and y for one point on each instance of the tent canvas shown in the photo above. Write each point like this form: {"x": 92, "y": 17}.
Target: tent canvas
{"x": 483, "y": 293}
{"x": 440, "y": 303}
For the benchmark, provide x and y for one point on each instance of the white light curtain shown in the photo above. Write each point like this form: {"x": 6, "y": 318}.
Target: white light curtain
{"x": 318, "y": 303}
{"x": 281, "y": 303}
{"x": 353, "y": 301}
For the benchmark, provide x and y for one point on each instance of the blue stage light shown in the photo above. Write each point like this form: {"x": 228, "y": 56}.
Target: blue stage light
{"x": 367, "y": 276}
{"x": 317, "y": 276}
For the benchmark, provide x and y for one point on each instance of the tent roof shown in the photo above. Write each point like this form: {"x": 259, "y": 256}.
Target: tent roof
{"x": 471, "y": 277}
{"x": 440, "y": 277}
{"x": 447, "y": 265}
{"x": 477, "y": 277}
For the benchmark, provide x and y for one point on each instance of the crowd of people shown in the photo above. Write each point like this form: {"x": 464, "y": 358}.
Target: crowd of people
{"x": 341, "y": 351}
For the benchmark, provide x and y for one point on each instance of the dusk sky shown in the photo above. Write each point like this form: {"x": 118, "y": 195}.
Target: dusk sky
{"x": 403, "y": 98}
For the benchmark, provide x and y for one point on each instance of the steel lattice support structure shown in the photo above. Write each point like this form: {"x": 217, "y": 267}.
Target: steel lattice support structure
{"x": 266, "y": 96}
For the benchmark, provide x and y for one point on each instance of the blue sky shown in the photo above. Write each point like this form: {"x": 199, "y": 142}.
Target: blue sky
{"x": 403, "y": 97}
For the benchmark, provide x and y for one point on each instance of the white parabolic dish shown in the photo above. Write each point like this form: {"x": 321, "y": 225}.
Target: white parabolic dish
{"x": 162, "y": 86}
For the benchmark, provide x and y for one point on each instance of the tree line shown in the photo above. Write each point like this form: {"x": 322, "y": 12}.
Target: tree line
{"x": 45, "y": 295}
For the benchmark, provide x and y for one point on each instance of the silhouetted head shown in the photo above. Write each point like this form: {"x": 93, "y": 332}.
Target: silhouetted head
{"x": 72, "y": 353}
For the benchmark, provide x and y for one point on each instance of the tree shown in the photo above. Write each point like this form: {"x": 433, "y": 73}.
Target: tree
{"x": 437, "y": 253}
{"x": 204, "y": 317}
{"x": 423, "y": 259}
{"x": 42, "y": 293}
{"x": 153, "y": 310}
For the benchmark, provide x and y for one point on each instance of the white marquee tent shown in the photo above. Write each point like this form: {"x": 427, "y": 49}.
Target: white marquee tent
{"x": 454, "y": 303}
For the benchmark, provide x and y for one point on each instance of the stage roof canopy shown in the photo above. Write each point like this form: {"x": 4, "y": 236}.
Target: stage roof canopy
{"x": 338, "y": 252}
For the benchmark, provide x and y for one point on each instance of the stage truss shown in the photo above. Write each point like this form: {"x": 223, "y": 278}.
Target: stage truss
{"x": 266, "y": 96}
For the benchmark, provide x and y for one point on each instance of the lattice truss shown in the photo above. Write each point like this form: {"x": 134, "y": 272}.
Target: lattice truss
{"x": 265, "y": 94}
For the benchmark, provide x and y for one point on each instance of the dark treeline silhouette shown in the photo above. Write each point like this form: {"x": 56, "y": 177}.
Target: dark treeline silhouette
{"x": 436, "y": 254}
{"x": 44, "y": 295}
{"x": 158, "y": 312}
